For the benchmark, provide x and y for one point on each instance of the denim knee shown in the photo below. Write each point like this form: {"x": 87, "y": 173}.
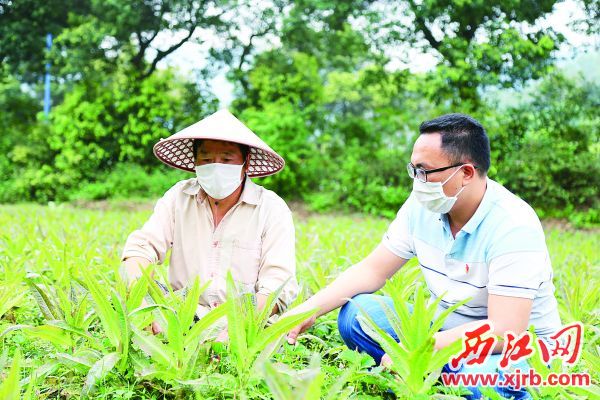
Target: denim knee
{"x": 347, "y": 322}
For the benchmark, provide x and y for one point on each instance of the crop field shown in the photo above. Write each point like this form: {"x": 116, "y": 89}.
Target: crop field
{"x": 70, "y": 328}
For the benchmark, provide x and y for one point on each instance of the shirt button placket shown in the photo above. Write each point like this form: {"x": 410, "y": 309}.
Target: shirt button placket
{"x": 213, "y": 266}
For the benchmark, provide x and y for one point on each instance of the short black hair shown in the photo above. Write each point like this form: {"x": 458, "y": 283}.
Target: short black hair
{"x": 196, "y": 143}
{"x": 463, "y": 138}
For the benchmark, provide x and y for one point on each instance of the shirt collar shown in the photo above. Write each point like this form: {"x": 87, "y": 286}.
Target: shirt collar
{"x": 250, "y": 194}
{"x": 484, "y": 207}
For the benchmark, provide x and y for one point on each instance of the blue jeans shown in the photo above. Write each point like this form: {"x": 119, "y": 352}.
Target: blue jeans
{"x": 356, "y": 339}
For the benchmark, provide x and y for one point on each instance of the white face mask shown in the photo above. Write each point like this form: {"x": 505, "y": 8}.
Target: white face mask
{"x": 431, "y": 195}
{"x": 219, "y": 180}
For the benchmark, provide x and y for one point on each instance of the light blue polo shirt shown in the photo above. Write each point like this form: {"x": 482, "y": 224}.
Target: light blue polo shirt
{"x": 501, "y": 250}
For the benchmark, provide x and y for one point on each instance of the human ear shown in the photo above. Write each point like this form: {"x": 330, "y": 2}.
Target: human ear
{"x": 468, "y": 172}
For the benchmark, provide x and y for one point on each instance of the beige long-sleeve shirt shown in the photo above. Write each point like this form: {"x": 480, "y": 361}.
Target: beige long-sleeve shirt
{"x": 255, "y": 241}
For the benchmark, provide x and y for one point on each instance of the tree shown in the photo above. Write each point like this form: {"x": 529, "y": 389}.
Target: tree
{"x": 477, "y": 43}
{"x": 88, "y": 31}
{"x": 590, "y": 24}
{"x": 135, "y": 30}
{"x": 546, "y": 150}
{"x": 24, "y": 25}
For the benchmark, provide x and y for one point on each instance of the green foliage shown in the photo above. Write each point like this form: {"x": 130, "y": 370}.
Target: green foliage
{"x": 18, "y": 119}
{"x": 286, "y": 130}
{"x": 307, "y": 384}
{"x": 23, "y": 32}
{"x": 68, "y": 349}
{"x": 64, "y": 306}
{"x": 578, "y": 300}
{"x": 103, "y": 127}
{"x": 11, "y": 296}
{"x": 105, "y": 122}
{"x": 128, "y": 181}
{"x": 10, "y": 389}
{"x": 362, "y": 179}
{"x": 547, "y": 150}
{"x": 543, "y": 149}
{"x": 96, "y": 32}
{"x": 479, "y": 44}
{"x": 176, "y": 357}
{"x": 316, "y": 79}
{"x": 251, "y": 341}
{"x": 414, "y": 359}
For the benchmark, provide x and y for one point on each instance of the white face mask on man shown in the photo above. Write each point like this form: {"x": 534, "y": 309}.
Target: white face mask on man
{"x": 219, "y": 180}
{"x": 431, "y": 195}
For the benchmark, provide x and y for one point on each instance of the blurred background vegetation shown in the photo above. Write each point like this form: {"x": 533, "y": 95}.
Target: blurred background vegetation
{"x": 328, "y": 84}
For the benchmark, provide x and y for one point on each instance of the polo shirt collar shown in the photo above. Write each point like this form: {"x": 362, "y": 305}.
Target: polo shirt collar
{"x": 250, "y": 194}
{"x": 484, "y": 207}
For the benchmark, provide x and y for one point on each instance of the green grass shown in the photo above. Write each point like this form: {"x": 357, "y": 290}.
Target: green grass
{"x": 71, "y": 329}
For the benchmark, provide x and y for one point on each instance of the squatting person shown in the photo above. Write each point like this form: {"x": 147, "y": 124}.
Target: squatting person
{"x": 473, "y": 239}
{"x": 220, "y": 220}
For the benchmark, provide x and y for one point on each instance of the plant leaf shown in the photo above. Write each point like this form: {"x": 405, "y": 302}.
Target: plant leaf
{"x": 10, "y": 388}
{"x": 98, "y": 371}
{"x": 107, "y": 314}
{"x": 153, "y": 347}
{"x": 199, "y": 327}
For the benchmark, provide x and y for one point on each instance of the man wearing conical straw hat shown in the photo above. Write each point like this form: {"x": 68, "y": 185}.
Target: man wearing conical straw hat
{"x": 220, "y": 220}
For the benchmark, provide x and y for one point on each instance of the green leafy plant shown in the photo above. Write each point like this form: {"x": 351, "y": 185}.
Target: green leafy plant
{"x": 11, "y": 295}
{"x": 307, "y": 384}
{"x": 174, "y": 356}
{"x": 10, "y": 389}
{"x": 69, "y": 305}
{"x": 415, "y": 361}
{"x": 61, "y": 242}
{"x": 69, "y": 325}
{"x": 251, "y": 339}
{"x": 67, "y": 313}
{"x": 556, "y": 366}
{"x": 11, "y": 385}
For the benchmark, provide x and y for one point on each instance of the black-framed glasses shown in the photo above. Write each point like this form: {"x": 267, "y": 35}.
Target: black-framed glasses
{"x": 421, "y": 174}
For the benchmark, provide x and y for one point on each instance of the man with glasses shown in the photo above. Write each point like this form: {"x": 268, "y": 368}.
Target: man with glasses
{"x": 474, "y": 240}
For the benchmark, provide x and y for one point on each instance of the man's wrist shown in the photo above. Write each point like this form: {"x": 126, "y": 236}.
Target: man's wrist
{"x": 436, "y": 341}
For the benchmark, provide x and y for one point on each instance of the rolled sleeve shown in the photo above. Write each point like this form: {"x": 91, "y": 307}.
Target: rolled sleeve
{"x": 155, "y": 238}
{"x": 278, "y": 259}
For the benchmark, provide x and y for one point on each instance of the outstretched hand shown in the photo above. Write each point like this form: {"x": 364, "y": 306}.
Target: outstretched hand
{"x": 293, "y": 334}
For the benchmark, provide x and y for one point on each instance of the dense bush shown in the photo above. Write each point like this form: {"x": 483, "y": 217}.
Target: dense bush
{"x": 346, "y": 139}
{"x": 127, "y": 181}
{"x": 546, "y": 150}
{"x": 100, "y": 124}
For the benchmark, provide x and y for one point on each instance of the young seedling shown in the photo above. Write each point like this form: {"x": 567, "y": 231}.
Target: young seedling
{"x": 173, "y": 358}
{"x": 251, "y": 340}
{"x": 307, "y": 384}
{"x": 415, "y": 361}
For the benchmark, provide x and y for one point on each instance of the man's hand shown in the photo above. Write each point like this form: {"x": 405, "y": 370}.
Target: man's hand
{"x": 154, "y": 327}
{"x": 368, "y": 276}
{"x": 292, "y": 335}
{"x": 223, "y": 336}
{"x": 386, "y": 361}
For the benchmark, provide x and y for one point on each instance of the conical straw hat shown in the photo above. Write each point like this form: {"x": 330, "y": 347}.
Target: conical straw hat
{"x": 177, "y": 152}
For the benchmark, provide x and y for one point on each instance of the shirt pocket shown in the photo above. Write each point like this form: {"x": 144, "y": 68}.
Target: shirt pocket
{"x": 244, "y": 262}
